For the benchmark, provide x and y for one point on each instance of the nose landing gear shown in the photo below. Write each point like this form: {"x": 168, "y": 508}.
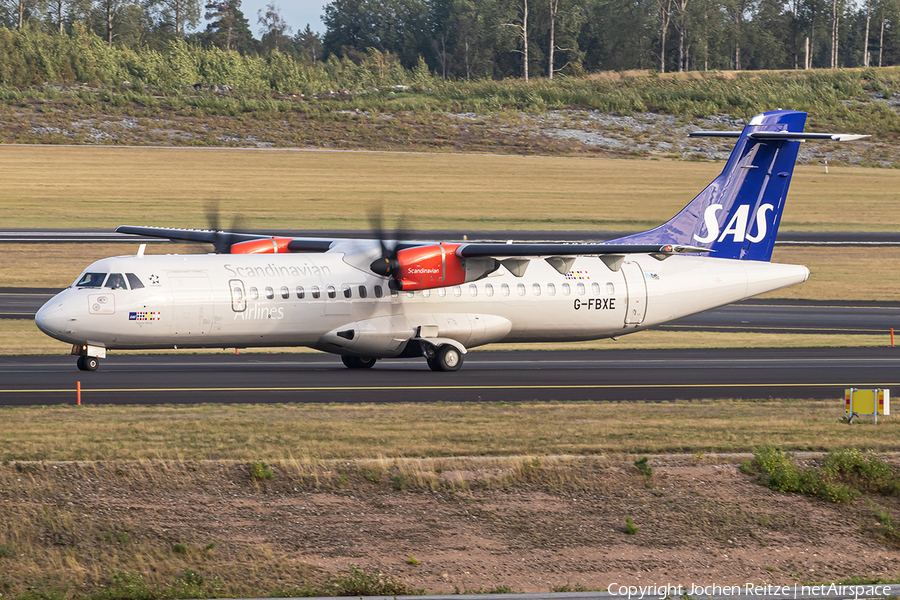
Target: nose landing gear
{"x": 88, "y": 356}
{"x": 88, "y": 363}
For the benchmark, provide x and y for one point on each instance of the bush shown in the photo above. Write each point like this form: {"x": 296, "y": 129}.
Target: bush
{"x": 777, "y": 471}
{"x": 260, "y": 471}
{"x": 644, "y": 467}
{"x": 630, "y": 527}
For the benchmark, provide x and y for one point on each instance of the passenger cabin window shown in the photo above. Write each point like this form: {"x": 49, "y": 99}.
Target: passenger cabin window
{"x": 362, "y": 291}
{"x": 314, "y": 290}
{"x": 595, "y": 288}
{"x": 116, "y": 282}
{"x": 346, "y": 290}
{"x": 300, "y": 292}
{"x": 551, "y": 289}
{"x": 520, "y": 289}
{"x": 134, "y": 281}
{"x": 566, "y": 289}
{"x": 331, "y": 291}
{"x": 92, "y": 280}
{"x": 285, "y": 292}
{"x": 442, "y": 292}
{"x": 473, "y": 289}
{"x": 488, "y": 289}
{"x": 581, "y": 289}
{"x": 426, "y": 293}
{"x": 610, "y": 289}
{"x": 410, "y": 294}
{"x": 457, "y": 291}
{"x": 536, "y": 289}
{"x": 504, "y": 290}
{"x": 270, "y": 293}
{"x": 379, "y": 293}
{"x": 254, "y": 293}
{"x": 394, "y": 293}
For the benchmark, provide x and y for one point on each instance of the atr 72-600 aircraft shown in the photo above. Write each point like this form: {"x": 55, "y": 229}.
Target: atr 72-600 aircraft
{"x": 370, "y": 299}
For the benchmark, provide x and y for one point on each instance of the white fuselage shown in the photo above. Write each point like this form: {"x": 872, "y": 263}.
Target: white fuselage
{"x": 313, "y": 300}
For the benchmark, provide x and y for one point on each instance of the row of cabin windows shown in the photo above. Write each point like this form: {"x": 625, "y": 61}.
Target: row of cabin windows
{"x": 522, "y": 290}
{"x": 378, "y": 291}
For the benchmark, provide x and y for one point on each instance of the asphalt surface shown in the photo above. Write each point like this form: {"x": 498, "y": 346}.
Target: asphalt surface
{"x": 601, "y": 375}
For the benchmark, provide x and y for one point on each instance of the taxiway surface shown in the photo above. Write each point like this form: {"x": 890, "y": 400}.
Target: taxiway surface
{"x": 601, "y": 375}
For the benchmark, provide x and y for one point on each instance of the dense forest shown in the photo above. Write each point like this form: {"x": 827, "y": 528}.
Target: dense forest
{"x": 471, "y": 39}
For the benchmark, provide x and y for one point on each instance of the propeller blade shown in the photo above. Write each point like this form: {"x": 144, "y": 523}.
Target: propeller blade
{"x": 387, "y": 265}
{"x": 222, "y": 239}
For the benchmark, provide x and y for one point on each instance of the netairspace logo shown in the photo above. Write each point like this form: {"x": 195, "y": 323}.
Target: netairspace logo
{"x": 750, "y": 590}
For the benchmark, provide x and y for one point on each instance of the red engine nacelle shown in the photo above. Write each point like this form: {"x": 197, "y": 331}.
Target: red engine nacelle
{"x": 426, "y": 267}
{"x": 272, "y": 245}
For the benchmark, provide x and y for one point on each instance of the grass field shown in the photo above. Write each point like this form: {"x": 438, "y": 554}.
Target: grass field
{"x": 316, "y": 432}
{"x": 91, "y": 187}
{"x": 48, "y": 186}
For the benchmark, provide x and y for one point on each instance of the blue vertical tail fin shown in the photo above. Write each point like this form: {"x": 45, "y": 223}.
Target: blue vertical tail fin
{"x": 738, "y": 214}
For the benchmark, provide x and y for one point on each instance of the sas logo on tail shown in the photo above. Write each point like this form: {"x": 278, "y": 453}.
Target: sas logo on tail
{"x": 737, "y": 227}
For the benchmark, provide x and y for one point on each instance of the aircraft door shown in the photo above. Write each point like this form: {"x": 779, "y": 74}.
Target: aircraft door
{"x": 238, "y": 295}
{"x": 636, "y": 288}
{"x": 193, "y": 303}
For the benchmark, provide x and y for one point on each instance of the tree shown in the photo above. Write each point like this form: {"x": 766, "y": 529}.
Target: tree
{"x": 665, "y": 17}
{"x": 228, "y": 28}
{"x": 178, "y": 14}
{"x": 275, "y": 31}
{"x": 681, "y": 28}
{"x": 309, "y": 43}
{"x": 400, "y": 27}
{"x": 522, "y": 33}
{"x": 19, "y": 11}
{"x": 114, "y": 19}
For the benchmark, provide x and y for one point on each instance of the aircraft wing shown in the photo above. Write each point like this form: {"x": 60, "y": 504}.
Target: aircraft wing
{"x": 224, "y": 240}
{"x": 511, "y": 250}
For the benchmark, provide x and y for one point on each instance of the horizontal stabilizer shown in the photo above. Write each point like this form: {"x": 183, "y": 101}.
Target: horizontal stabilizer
{"x": 725, "y": 134}
{"x": 781, "y": 135}
{"x": 789, "y": 135}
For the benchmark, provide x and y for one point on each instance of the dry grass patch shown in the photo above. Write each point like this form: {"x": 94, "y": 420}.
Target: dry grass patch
{"x": 63, "y": 187}
{"x": 311, "y": 432}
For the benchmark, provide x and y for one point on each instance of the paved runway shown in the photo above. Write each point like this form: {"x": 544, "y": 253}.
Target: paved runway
{"x": 602, "y": 375}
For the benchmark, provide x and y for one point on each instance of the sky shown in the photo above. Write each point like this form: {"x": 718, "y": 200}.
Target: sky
{"x": 297, "y": 13}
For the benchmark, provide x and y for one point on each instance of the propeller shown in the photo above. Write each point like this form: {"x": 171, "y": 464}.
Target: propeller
{"x": 387, "y": 265}
{"x": 222, "y": 240}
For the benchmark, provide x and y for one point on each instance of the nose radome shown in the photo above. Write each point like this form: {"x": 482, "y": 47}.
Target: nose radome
{"x": 51, "y": 318}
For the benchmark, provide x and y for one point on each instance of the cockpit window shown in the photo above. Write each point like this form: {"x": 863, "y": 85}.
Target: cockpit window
{"x": 133, "y": 281}
{"x": 93, "y": 280}
{"x": 116, "y": 282}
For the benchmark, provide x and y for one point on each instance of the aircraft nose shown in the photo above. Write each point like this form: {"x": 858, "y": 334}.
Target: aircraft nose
{"x": 51, "y": 318}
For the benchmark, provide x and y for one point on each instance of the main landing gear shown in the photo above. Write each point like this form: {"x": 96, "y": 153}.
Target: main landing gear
{"x": 358, "y": 362}
{"x": 444, "y": 358}
{"x": 88, "y": 363}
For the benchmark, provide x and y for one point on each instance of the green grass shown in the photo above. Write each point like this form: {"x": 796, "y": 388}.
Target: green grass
{"x": 309, "y": 432}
